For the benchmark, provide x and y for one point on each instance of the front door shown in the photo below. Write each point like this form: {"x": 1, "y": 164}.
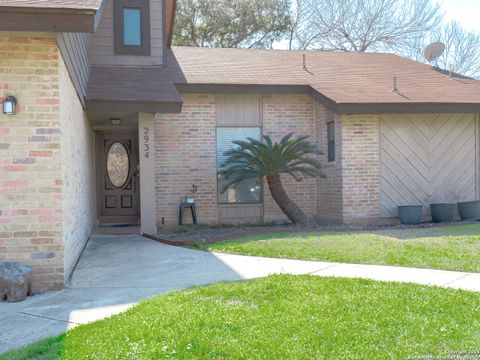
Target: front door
{"x": 117, "y": 175}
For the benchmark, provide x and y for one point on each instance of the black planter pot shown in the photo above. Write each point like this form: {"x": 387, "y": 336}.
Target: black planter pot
{"x": 410, "y": 214}
{"x": 442, "y": 212}
{"x": 469, "y": 210}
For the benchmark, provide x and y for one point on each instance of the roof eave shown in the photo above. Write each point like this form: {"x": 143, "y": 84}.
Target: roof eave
{"x": 337, "y": 107}
{"x": 49, "y": 19}
{"x": 96, "y": 105}
{"x": 406, "y": 107}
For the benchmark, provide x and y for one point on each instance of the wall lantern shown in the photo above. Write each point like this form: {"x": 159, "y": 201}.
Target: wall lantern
{"x": 9, "y": 104}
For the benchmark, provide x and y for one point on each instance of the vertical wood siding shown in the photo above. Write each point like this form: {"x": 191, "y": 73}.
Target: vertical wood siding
{"x": 73, "y": 47}
{"x": 101, "y": 47}
{"x": 238, "y": 110}
{"x": 427, "y": 158}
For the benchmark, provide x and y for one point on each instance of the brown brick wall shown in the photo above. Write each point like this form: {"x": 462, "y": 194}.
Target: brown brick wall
{"x": 329, "y": 199}
{"x": 38, "y": 181}
{"x": 78, "y": 190}
{"x": 283, "y": 114}
{"x": 360, "y": 168}
{"x": 30, "y": 177}
{"x": 185, "y": 155}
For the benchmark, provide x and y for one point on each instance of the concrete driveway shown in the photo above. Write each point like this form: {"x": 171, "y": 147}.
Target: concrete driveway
{"x": 117, "y": 271}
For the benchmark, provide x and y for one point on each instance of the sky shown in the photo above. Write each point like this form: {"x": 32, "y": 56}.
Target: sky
{"x": 466, "y": 12}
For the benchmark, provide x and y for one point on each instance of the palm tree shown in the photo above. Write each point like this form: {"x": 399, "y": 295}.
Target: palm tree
{"x": 254, "y": 159}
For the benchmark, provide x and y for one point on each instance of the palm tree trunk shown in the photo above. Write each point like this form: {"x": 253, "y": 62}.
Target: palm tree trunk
{"x": 293, "y": 212}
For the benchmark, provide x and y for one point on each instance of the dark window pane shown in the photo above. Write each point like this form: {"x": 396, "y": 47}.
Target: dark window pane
{"x": 331, "y": 141}
{"x": 132, "y": 33}
{"x": 248, "y": 191}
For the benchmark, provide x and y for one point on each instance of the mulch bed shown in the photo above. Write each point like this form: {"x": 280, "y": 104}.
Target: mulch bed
{"x": 202, "y": 234}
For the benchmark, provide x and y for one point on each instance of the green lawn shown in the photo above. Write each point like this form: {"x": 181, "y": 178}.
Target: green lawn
{"x": 280, "y": 317}
{"x": 440, "y": 247}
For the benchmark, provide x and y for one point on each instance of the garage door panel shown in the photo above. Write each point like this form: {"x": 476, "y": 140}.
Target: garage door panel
{"x": 427, "y": 158}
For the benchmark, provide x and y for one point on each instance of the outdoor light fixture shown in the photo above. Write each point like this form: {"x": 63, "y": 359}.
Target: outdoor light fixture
{"x": 9, "y": 104}
{"x": 115, "y": 121}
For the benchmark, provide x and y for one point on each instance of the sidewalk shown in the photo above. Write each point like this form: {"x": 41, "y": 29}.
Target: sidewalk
{"x": 249, "y": 266}
{"x": 115, "y": 272}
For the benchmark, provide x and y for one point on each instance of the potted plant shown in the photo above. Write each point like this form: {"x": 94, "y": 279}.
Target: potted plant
{"x": 410, "y": 214}
{"x": 442, "y": 212}
{"x": 189, "y": 199}
{"x": 469, "y": 210}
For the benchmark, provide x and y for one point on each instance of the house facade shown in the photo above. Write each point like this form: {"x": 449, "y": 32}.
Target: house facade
{"x": 114, "y": 126}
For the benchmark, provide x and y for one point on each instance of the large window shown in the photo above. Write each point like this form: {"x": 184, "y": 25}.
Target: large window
{"x": 132, "y": 27}
{"x": 331, "y": 141}
{"x": 248, "y": 191}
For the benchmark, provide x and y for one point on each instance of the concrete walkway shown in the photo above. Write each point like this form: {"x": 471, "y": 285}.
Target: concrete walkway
{"x": 115, "y": 272}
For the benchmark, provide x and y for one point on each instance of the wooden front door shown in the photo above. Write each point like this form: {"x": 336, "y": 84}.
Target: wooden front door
{"x": 117, "y": 177}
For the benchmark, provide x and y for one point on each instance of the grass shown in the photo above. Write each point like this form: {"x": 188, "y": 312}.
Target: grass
{"x": 280, "y": 317}
{"x": 441, "y": 247}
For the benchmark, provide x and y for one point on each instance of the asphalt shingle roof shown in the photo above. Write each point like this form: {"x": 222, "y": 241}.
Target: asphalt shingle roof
{"x": 350, "y": 82}
{"x": 342, "y": 77}
{"x": 53, "y": 4}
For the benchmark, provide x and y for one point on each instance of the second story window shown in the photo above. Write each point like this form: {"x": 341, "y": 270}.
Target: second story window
{"x": 132, "y": 27}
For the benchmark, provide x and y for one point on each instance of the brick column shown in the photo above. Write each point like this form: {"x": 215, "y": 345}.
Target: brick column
{"x": 361, "y": 168}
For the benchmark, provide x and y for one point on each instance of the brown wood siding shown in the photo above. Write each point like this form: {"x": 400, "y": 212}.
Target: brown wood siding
{"x": 73, "y": 47}
{"x": 427, "y": 158}
{"x": 101, "y": 46}
{"x": 238, "y": 110}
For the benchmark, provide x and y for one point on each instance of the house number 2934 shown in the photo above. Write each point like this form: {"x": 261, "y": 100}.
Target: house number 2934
{"x": 146, "y": 142}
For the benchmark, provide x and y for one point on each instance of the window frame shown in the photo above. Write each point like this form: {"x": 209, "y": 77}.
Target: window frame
{"x": 118, "y": 24}
{"x": 331, "y": 142}
{"x": 260, "y": 197}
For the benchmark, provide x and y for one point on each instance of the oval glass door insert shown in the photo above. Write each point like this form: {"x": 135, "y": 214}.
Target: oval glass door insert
{"x": 118, "y": 164}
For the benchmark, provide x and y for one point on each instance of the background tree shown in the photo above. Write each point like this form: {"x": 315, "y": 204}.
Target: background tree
{"x": 462, "y": 49}
{"x": 362, "y": 25}
{"x": 254, "y": 159}
{"x": 227, "y": 23}
{"x": 403, "y": 27}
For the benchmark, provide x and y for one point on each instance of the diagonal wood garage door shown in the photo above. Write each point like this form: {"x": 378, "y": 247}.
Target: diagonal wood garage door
{"x": 427, "y": 158}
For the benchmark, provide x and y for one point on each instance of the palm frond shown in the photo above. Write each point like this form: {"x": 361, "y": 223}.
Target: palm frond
{"x": 252, "y": 158}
